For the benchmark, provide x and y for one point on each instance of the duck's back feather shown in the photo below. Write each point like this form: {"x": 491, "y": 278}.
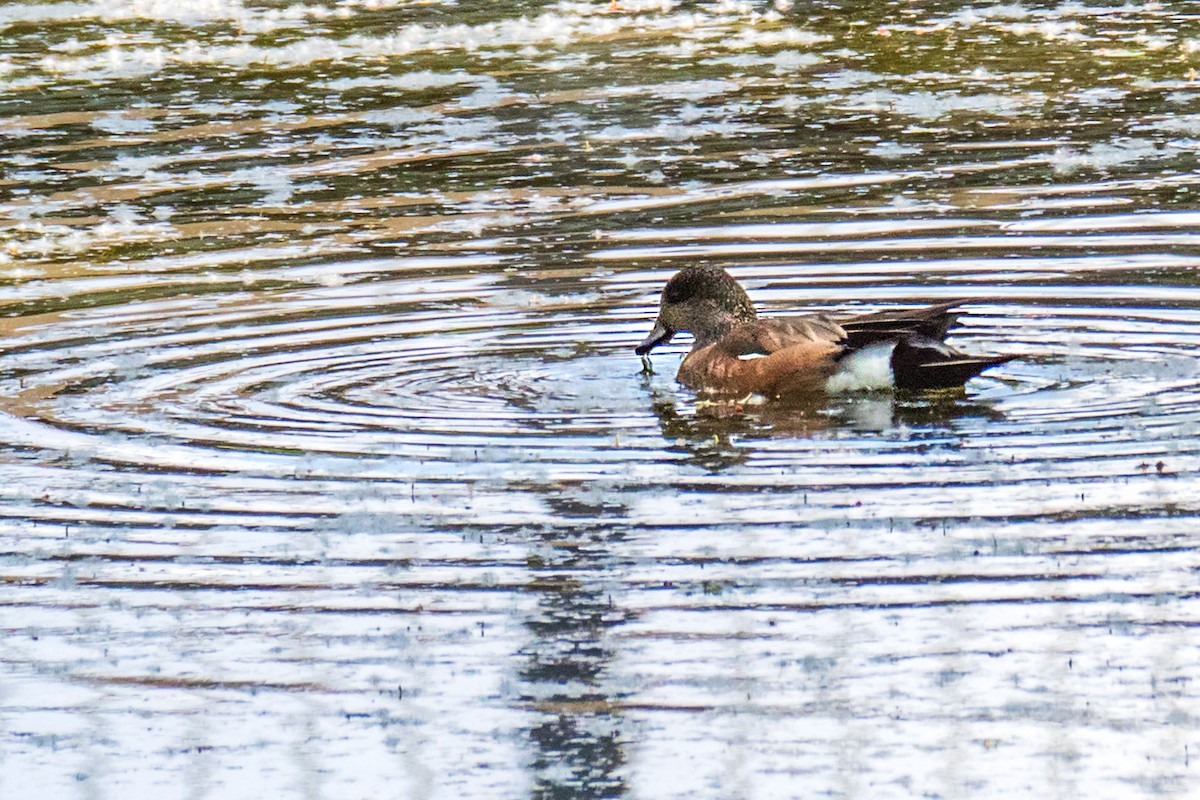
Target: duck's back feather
{"x": 932, "y": 322}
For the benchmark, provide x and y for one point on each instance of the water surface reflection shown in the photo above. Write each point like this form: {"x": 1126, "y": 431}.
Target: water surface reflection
{"x": 327, "y": 469}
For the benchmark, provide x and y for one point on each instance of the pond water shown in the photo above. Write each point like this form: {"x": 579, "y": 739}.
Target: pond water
{"x": 328, "y": 469}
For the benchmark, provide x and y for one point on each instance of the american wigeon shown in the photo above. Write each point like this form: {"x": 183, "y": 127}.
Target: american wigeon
{"x": 735, "y": 352}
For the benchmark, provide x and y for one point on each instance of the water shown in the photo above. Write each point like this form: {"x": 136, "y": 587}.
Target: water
{"x": 328, "y": 469}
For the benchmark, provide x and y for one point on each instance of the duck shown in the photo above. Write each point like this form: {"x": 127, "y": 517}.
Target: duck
{"x": 735, "y": 352}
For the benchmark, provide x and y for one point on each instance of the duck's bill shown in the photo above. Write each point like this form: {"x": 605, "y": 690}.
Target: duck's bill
{"x": 660, "y": 335}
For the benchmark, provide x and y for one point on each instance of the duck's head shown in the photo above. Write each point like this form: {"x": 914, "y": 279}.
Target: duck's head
{"x": 704, "y": 301}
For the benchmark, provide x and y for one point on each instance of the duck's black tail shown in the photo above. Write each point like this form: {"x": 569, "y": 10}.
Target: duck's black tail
{"x": 923, "y": 362}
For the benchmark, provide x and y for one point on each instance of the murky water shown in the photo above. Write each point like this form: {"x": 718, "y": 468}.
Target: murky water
{"x": 328, "y": 469}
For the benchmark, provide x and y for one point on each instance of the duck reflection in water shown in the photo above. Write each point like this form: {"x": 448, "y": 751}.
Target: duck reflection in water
{"x": 718, "y": 433}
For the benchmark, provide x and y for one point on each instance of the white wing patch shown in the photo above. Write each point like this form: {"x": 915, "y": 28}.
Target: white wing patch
{"x": 749, "y": 356}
